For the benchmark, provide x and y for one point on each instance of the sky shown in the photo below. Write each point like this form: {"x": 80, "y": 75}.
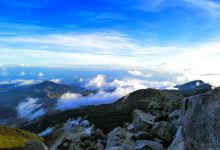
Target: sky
{"x": 172, "y": 35}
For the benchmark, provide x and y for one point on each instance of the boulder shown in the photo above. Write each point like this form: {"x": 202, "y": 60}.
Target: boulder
{"x": 143, "y": 136}
{"x": 35, "y": 145}
{"x": 142, "y": 121}
{"x": 129, "y": 127}
{"x": 147, "y": 145}
{"x": 200, "y": 125}
{"x": 164, "y": 130}
{"x": 120, "y": 139}
{"x": 178, "y": 142}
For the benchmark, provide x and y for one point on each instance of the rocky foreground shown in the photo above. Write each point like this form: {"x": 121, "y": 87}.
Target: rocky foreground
{"x": 193, "y": 126}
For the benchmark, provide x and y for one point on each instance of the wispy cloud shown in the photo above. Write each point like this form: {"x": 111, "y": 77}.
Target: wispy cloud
{"x": 19, "y": 82}
{"x": 30, "y": 109}
{"x": 212, "y": 8}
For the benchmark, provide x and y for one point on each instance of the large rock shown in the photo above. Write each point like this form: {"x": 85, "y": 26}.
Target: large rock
{"x": 147, "y": 145}
{"x": 119, "y": 139}
{"x": 178, "y": 142}
{"x": 35, "y": 145}
{"x": 201, "y": 121}
{"x": 142, "y": 121}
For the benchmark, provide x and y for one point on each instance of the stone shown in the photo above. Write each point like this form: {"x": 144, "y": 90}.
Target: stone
{"x": 35, "y": 145}
{"x": 201, "y": 121}
{"x": 178, "y": 142}
{"x": 142, "y": 136}
{"x": 147, "y": 145}
{"x": 130, "y": 127}
{"x": 142, "y": 121}
{"x": 164, "y": 130}
{"x": 119, "y": 139}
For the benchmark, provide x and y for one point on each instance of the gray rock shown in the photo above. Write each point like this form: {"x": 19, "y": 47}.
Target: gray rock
{"x": 142, "y": 121}
{"x": 35, "y": 145}
{"x": 147, "y": 145}
{"x": 200, "y": 121}
{"x": 100, "y": 146}
{"x": 130, "y": 127}
{"x": 143, "y": 136}
{"x": 164, "y": 130}
{"x": 120, "y": 139}
{"x": 178, "y": 142}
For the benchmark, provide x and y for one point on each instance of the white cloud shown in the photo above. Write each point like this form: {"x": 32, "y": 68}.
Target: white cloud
{"x": 97, "y": 82}
{"x": 40, "y": 74}
{"x": 201, "y": 58}
{"x": 19, "y": 82}
{"x": 139, "y": 73}
{"x": 30, "y": 109}
{"x": 135, "y": 72}
{"x": 46, "y": 132}
{"x": 22, "y": 73}
{"x": 56, "y": 80}
{"x": 210, "y": 6}
{"x": 4, "y": 72}
{"x": 103, "y": 96}
{"x": 67, "y": 96}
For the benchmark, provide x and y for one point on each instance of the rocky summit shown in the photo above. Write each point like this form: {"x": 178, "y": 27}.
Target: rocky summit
{"x": 191, "y": 125}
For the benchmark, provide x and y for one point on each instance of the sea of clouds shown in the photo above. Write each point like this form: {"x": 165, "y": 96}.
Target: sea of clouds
{"x": 107, "y": 92}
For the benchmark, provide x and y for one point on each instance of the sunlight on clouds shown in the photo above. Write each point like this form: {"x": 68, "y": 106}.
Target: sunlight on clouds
{"x": 97, "y": 82}
{"x": 113, "y": 49}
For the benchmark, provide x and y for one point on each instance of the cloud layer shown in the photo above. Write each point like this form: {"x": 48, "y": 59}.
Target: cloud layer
{"x": 107, "y": 92}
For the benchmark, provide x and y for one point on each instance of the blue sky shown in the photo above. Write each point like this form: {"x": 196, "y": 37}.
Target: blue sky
{"x": 177, "y": 35}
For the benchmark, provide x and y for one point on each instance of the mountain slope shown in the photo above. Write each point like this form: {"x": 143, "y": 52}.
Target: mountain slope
{"x": 109, "y": 116}
{"x": 45, "y": 91}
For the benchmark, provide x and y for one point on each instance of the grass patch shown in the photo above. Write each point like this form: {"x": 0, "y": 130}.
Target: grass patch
{"x": 12, "y": 138}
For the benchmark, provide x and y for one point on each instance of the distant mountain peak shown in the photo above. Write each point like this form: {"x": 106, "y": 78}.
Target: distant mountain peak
{"x": 191, "y": 85}
{"x": 46, "y": 84}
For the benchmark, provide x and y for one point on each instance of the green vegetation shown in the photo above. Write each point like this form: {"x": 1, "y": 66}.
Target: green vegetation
{"x": 11, "y": 138}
